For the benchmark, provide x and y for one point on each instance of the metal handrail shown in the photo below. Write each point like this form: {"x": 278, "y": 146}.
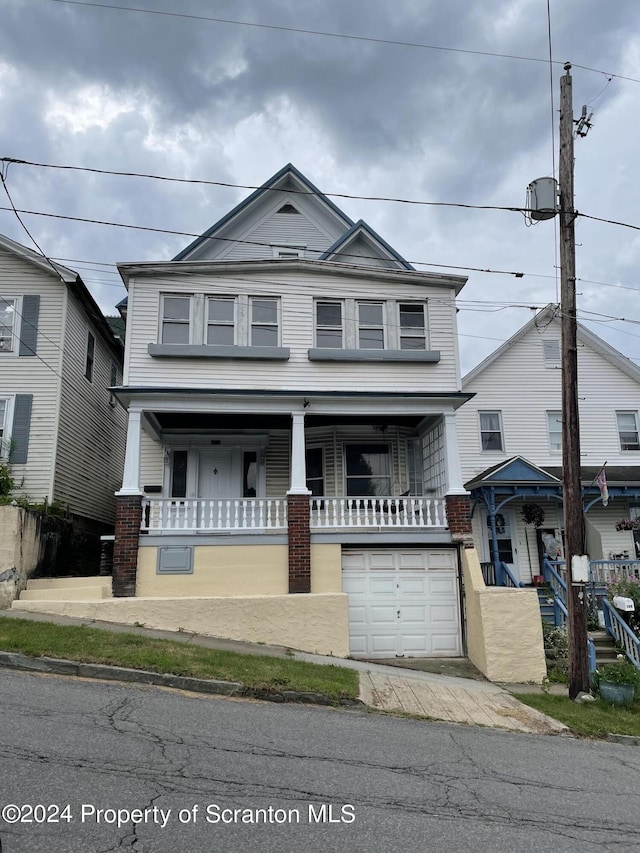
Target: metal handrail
{"x": 621, "y": 633}
{"x": 511, "y": 579}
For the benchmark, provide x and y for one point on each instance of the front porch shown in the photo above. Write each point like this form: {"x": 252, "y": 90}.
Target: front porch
{"x": 285, "y": 470}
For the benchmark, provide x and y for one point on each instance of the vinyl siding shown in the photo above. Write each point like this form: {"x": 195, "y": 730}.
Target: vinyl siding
{"x": 91, "y": 443}
{"x": 37, "y": 375}
{"x": 520, "y": 386}
{"x": 281, "y": 229}
{"x": 151, "y": 461}
{"x": 297, "y": 292}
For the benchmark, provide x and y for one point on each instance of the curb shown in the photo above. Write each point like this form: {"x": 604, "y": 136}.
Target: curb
{"x": 103, "y": 672}
{"x": 627, "y": 740}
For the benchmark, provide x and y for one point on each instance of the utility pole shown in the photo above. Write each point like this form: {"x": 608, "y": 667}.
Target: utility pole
{"x": 571, "y": 484}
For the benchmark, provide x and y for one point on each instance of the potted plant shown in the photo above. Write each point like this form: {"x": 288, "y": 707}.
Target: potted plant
{"x": 616, "y": 683}
{"x": 533, "y": 514}
{"x": 628, "y": 524}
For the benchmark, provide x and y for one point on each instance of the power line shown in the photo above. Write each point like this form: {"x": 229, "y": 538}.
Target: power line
{"x": 228, "y": 185}
{"x": 328, "y": 34}
{"x": 515, "y": 273}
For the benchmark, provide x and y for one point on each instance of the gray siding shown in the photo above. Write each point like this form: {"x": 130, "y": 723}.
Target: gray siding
{"x": 297, "y": 291}
{"x": 91, "y": 443}
{"x": 39, "y": 376}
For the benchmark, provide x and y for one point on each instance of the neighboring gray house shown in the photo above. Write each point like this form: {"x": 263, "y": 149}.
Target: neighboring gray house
{"x": 61, "y": 430}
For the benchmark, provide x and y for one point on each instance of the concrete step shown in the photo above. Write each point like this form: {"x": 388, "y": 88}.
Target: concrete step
{"x": 73, "y": 593}
{"x": 65, "y": 583}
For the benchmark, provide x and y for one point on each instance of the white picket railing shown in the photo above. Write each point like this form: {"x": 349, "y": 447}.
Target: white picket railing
{"x": 394, "y": 512}
{"x": 190, "y": 515}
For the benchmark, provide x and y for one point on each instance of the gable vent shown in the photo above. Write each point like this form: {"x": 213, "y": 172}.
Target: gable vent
{"x": 288, "y": 208}
{"x": 551, "y": 352}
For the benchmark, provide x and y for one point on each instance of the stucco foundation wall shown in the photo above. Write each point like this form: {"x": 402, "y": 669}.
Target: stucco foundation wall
{"x": 310, "y": 623}
{"x": 326, "y": 568}
{"x": 504, "y": 628}
{"x": 218, "y": 570}
{"x": 21, "y": 548}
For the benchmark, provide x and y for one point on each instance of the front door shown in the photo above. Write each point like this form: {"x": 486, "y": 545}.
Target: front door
{"x": 507, "y": 551}
{"x": 215, "y": 479}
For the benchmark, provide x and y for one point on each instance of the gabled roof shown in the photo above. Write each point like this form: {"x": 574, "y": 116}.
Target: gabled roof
{"x": 358, "y": 230}
{"x": 56, "y": 270}
{"x": 514, "y": 471}
{"x": 73, "y": 282}
{"x": 274, "y": 183}
{"x": 550, "y": 314}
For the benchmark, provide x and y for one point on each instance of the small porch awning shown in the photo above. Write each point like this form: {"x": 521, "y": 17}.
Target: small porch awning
{"x": 518, "y": 478}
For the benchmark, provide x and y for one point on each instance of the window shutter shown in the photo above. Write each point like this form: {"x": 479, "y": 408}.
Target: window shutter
{"x": 20, "y": 431}
{"x": 29, "y": 326}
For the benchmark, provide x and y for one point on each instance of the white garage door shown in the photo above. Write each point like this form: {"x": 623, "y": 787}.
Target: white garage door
{"x": 402, "y": 603}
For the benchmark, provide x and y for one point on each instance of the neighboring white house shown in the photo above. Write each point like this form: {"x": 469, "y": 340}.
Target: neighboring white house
{"x": 292, "y": 383}
{"x": 516, "y": 412}
{"x": 61, "y": 429}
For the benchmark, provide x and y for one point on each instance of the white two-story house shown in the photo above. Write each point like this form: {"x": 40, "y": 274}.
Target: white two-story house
{"x": 62, "y": 432}
{"x": 291, "y": 385}
{"x": 510, "y": 438}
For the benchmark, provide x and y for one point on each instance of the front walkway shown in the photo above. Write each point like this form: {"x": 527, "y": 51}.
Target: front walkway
{"x": 384, "y": 688}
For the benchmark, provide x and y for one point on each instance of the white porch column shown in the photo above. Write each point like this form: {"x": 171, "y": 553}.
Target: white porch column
{"x": 452, "y": 455}
{"x": 131, "y": 476}
{"x": 298, "y": 461}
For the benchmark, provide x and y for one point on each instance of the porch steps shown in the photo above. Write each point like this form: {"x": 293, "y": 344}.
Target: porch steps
{"x": 546, "y": 607}
{"x": 67, "y": 589}
{"x": 605, "y": 647}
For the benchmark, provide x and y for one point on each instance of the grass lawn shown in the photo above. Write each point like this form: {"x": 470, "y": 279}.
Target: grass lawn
{"x": 595, "y": 719}
{"x": 256, "y": 672}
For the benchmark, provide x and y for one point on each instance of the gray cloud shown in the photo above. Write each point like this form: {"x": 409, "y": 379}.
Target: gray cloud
{"x": 149, "y": 93}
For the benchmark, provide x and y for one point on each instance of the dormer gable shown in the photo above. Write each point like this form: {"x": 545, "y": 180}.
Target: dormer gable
{"x": 361, "y": 245}
{"x": 287, "y": 211}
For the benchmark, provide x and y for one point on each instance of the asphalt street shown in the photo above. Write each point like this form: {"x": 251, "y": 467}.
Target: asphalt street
{"x": 90, "y": 767}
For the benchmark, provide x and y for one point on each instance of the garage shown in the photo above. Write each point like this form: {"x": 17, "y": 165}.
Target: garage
{"x": 402, "y": 603}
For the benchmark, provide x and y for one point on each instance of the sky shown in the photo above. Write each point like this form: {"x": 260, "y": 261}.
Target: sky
{"x": 90, "y": 85}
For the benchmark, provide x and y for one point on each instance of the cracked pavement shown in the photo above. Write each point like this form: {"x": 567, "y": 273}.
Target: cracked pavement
{"x": 413, "y": 785}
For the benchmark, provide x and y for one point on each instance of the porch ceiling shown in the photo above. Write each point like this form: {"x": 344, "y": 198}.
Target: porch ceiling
{"x": 216, "y": 422}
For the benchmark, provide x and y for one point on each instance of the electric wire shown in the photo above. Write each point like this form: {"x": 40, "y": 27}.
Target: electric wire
{"x": 328, "y": 34}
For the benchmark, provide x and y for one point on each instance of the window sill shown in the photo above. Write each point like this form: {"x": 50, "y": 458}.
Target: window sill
{"x": 402, "y": 355}
{"x": 203, "y": 351}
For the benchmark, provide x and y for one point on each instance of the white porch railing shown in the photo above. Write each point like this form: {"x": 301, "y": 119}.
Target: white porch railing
{"x": 394, "y": 512}
{"x": 190, "y": 515}
{"x": 198, "y": 515}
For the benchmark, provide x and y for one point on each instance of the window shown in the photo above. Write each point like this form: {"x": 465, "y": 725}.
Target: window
{"x": 370, "y": 325}
{"x": 554, "y": 429}
{"x": 329, "y": 329}
{"x": 221, "y": 322}
{"x": 176, "y": 312}
{"x": 354, "y": 324}
{"x": 249, "y": 474}
{"x": 6, "y": 407}
{"x": 415, "y": 466}
{"x": 368, "y": 469}
{"x": 628, "y": 430}
{"x": 91, "y": 349}
{"x": 551, "y": 352}
{"x": 289, "y": 252}
{"x": 8, "y": 325}
{"x": 315, "y": 471}
{"x": 412, "y": 326}
{"x": 491, "y": 431}
{"x": 264, "y": 322}
{"x": 179, "y": 473}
